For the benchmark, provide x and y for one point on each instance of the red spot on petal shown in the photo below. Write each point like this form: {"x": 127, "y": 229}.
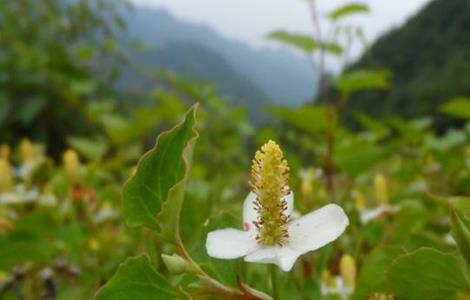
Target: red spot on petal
{"x": 246, "y": 226}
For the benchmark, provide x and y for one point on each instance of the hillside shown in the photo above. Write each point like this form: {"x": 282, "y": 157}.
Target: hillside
{"x": 429, "y": 57}
{"x": 279, "y": 76}
{"x": 199, "y": 64}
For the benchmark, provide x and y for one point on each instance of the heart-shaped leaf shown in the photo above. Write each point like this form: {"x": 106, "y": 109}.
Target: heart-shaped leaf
{"x": 427, "y": 274}
{"x": 136, "y": 279}
{"x": 372, "y": 276}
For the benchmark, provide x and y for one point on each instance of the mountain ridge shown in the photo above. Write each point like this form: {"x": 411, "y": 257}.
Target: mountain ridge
{"x": 281, "y": 75}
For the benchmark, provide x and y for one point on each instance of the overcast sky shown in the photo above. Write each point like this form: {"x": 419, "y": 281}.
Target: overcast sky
{"x": 250, "y": 20}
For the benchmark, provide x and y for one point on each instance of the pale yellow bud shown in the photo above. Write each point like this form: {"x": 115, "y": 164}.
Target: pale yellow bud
{"x": 347, "y": 267}
{"x": 3, "y": 278}
{"x": 71, "y": 164}
{"x": 380, "y": 296}
{"x": 6, "y": 175}
{"x": 359, "y": 199}
{"x": 461, "y": 295}
{"x": 175, "y": 263}
{"x": 380, "y": 186}
{"x": 27, "y": 150}
{"x": 94, "y": 244}
{"x": 6, "y": 225}
{"x": 306, "y": 184}
{"x": 328, "y": 279}
{"x": 5, "y": 151}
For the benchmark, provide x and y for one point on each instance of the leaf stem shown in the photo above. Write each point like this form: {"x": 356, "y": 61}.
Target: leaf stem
{"x": 274, "y": 281}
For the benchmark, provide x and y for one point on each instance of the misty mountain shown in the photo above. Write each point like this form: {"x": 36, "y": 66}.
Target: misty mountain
{"x": 196, "y": 63}
{"x": 264, "y": 75}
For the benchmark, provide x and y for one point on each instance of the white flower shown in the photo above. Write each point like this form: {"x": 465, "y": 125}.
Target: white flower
{"x": 368, "y": 215}
{"x": 306, "y": 233}
{"x": 21, "y": 195}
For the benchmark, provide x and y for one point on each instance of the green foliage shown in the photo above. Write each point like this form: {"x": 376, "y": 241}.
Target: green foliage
{"x": 63, "y": 229}
{"x": 458, "y": 107}
{"x": 372, "y": 278}
{"x": 460, "y": 210}
{"x": 360, "y": 80}
{"x": 49, "y": 76}
{"x": 137, "y": 279}
{"x": 303, "y": 42}
{"x": 427, "y": 274}
{"x": 429, "y": 61}
{"x": 309, "y": 118}
{"x": 158, "y": 172}
{"x": 347, "y": 10}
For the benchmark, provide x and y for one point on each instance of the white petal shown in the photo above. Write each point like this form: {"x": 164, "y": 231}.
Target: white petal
{"x": 318, "y": 228}
{"x": 369, "y": 214}
{"x": 284, "y": 257}
{"x": 230, "y": 243}
{"x": 250, "y": 214}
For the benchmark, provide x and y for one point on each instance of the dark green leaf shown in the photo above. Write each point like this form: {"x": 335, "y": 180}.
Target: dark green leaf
{"x": 136, "y": 279}
{"x": 31, "y": 109}
{"x": 427, "y": 274}
{"x": 372, "y": 276}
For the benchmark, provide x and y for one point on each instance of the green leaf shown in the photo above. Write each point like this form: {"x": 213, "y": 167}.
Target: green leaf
{"x": 301, "y": 41}
{"x": 93, "y": 149}
{"x": 347, "y": 10}
{"x": 358, "y": 80}
{"x": 312, "y": 118}
{"x": 159, "y": 170}
{"x": 136, "y": 279}
{"x": 426, "y": 274}
{"x": 31, "y": 109}
{"x": 458, "y": 107}
{"x": 460, "y": 220}
{"x": 333, "y": 48}
{"x": 379, "y": 128}
{"x": 372, "y": 276}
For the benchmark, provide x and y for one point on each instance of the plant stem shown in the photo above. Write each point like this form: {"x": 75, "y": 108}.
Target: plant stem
{"x": 274, "y": 281}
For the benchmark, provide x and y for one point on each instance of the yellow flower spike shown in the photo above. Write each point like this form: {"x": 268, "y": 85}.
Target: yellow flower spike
{"x": 347, "y": 268}
{"x": 6, "y": 175}
{"x": 71, "y": 164}
{"x": 269, "y": 179}
{"x": 380, "y": 186}
{"x": 27, "y": 150}
{"x": 5, "y": 151}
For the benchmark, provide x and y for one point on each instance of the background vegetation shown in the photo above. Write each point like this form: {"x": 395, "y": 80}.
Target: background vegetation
{"x": 82, "y": 99}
